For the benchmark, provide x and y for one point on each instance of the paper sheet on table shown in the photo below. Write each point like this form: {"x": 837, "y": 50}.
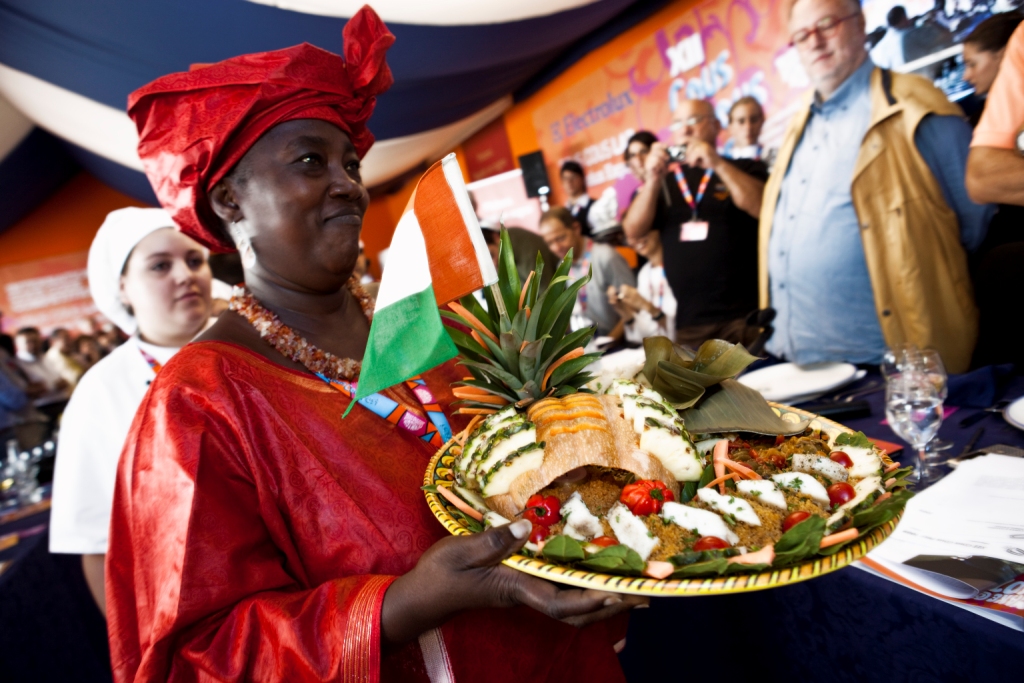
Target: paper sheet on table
{"x": 976, "y": 510}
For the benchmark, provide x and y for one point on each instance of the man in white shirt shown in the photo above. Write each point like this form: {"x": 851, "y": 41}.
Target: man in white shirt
{"x": 889, "y": 53}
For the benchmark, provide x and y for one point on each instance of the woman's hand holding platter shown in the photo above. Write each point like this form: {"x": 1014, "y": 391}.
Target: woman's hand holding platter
{"x": 465, "y": 572}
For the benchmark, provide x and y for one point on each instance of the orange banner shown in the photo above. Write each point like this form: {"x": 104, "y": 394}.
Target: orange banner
{"x": 718, "y": 50}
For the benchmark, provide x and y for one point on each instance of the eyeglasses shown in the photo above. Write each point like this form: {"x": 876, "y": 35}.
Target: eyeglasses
{"x": 690, "y": 121}
{"x": 826, "y": 27}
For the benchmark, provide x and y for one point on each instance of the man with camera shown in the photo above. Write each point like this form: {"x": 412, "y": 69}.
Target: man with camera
{"x": 705, "y": 207}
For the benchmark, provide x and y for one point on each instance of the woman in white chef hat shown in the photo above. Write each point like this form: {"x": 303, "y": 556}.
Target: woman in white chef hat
{"x": 154, "y": 283}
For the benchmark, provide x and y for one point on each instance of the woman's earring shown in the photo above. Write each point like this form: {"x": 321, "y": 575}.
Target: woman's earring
{"x": 248, "y": 253}
{"x": 244, "y": 245}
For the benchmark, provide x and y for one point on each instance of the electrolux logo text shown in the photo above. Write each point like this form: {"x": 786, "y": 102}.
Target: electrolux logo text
{"x": 572, "y": 123}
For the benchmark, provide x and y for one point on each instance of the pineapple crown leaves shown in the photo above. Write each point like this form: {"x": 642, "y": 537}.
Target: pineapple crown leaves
{"x": 519, "y": 348}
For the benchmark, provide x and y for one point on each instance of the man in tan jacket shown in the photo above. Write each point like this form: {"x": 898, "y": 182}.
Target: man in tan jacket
{"x": 866, "y": 222}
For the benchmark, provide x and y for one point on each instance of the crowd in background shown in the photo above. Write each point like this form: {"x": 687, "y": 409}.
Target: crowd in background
{"x": 865, "y": 237}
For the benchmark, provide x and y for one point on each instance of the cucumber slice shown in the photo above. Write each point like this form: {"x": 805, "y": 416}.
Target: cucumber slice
{"x": 499, "y": 479}
{"x": 509, "y": 438}
{"x": 674, "y": 449}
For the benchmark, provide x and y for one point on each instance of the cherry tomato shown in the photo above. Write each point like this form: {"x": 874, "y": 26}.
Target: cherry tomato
{"x": 543, "y": 510}
{"x": 779, "y": 460}
{"x": 840, "y": 493}
{"x": 841, "y": 458}
{"x": 539, "y": 533}
{"x": 710, "y": 543}
{"x": 646, "y": 497}
{"x": 779, "y": 440}
{"x": 794, "y": 518}
{"x": 605, "y": 541}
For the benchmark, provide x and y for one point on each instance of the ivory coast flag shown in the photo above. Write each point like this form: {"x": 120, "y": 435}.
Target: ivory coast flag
{"x": 438, "y": 254}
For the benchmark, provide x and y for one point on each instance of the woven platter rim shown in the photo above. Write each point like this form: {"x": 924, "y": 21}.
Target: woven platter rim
{"x": 438, "y": 474}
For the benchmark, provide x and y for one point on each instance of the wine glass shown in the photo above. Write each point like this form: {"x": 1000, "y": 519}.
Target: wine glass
{"x": 914, "y": 410}
{"x": 930, "y": 362}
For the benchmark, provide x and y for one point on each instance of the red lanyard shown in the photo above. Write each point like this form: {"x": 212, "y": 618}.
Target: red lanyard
{"x": 153, "y": 362}
{"x": 685, "y": 189}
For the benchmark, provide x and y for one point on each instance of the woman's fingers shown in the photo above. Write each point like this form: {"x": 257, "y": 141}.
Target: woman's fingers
{"x": 489, "y": 548}
{"x": 572, "y": 605}
{"x": 627, "y": 602}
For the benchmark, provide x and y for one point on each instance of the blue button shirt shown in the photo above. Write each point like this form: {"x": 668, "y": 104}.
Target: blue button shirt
{"x": 820, "y": 286}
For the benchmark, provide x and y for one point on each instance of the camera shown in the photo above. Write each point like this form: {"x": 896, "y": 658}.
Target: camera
{"x": 676, "y": 153}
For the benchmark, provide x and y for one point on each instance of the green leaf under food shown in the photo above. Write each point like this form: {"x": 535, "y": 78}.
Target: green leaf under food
{"x": 734, "y": 407}
{"x": 899, "y": 475}
{"x": 878, "y": 514}
{"x": 689, "y": 490}
{"x": 617, "y": 559}
{"x": 563, "y": 549}
{"x": 716, "y": 567}
{"x": 471, "y": 524}
{"x": 802, "y": 541}
{"x": 857, "y": 440}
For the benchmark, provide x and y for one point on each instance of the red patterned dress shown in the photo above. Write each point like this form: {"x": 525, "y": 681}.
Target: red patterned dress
{"x": 254, "y": 533}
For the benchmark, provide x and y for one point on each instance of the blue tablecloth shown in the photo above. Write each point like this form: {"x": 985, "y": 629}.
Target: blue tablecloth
{"x": 50, "y": 628}
{"x": 846, "y": 626}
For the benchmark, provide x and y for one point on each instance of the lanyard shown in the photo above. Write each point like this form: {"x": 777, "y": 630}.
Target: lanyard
{"x": 685, "y": 189}
{"x": 154, "y": 364}
{"x": 436, "y": 432}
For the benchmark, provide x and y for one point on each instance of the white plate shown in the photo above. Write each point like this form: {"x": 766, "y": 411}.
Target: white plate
{"x": 788, "y": 381}
{"x": 1014, "y": 413}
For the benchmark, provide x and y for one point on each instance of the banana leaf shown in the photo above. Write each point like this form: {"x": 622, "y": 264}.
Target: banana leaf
{"x": 734, "y": 407}
{"x": 684, "y": 380}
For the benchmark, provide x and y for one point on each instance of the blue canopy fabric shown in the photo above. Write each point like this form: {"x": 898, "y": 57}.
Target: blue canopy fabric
{"x": 65, "y": 62}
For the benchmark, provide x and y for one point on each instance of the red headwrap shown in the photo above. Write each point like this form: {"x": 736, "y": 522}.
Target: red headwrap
{"x": 195, "y": 126}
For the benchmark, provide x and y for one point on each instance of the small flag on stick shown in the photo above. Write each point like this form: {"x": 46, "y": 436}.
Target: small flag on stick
{"x": 438, "y": 254}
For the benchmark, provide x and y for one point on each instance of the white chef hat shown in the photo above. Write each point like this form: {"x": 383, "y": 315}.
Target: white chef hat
{"x": 113, "y": 244}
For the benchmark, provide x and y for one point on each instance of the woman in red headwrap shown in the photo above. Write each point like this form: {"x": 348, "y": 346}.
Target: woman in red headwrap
{"x": 255, "y": 535}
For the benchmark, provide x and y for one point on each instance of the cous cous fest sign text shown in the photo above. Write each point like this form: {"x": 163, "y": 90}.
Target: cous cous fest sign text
{"x": 719, "y": 50}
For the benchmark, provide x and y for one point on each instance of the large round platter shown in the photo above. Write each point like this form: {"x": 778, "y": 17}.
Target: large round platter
{"x": 439, "y": 473}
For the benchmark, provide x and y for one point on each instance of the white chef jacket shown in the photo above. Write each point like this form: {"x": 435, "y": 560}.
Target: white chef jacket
{"x": 92, "y": 434}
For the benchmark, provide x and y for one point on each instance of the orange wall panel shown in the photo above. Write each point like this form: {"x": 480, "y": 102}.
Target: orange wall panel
{"x": 64, "y": 223}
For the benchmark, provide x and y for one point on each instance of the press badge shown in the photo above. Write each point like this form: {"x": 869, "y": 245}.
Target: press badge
{"x": 694, "y": 231}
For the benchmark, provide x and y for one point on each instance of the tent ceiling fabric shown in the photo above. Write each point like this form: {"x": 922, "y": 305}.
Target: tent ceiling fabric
{"x": 68, "y": 66}
{"x": 436, "y": 13}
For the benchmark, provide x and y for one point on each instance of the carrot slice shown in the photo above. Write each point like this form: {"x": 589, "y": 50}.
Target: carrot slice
{"x": 892, "y": 468}
{"x": 526, "y": 288}
{"x": 840, "y": 537}
{"x": 575, "y": 353}
{"x": 470, "y": 389}
{"x": 887, "y": 494}
{"x": 720, "y": 453}
{"x": 490, "y": 400}
{"x": 722, "y": 479}
{"x": 476, "y": 411}
{"x": 890, "y": 482}
{"x": 765, "y": 555}
{"x": 459, "y": 503}
{"x": 745, "y": 471}
{"x": 659, "y": 570}
{"x": 473, "y": 321}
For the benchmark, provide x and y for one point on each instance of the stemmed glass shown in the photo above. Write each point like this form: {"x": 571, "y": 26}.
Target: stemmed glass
{"x": 913, "y": 406}
{"x": 931, "y": 364}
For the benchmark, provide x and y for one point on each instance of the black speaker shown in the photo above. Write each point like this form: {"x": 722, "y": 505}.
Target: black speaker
{"x": 535, "y": 174}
